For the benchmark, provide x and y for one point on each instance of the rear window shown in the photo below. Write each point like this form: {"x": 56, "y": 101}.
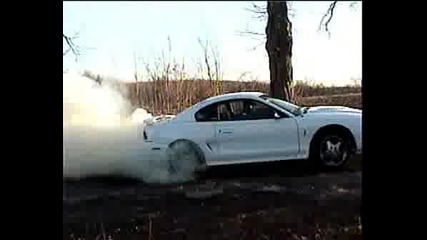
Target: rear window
{"x": 207, "y": 114}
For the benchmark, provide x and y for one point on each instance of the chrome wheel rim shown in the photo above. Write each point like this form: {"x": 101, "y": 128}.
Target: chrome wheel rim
{"x": 333, "y": 151}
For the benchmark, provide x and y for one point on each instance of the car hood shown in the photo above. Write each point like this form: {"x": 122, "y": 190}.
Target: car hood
{"x": 332, "y": 109}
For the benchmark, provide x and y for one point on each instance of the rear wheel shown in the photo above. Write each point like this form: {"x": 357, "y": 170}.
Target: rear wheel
{"x": 331, "y": 150}
{"x": 184, "y": 159}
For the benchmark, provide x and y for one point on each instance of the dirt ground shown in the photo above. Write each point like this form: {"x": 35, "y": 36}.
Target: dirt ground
{"x": 285, "y": 200}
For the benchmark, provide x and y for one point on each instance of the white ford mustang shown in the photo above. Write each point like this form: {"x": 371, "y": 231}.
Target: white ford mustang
{"x": 247, "y": 127}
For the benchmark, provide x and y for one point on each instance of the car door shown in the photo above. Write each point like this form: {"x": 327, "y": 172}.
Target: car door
{"x": 206, "y": 119}
{"x": 253, "y": 133}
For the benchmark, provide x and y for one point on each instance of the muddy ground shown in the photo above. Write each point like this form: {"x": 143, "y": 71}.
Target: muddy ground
{"x": 285, "y": 200}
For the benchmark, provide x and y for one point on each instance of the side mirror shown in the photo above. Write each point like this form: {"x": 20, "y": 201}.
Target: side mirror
{"x": 276, "y": 115}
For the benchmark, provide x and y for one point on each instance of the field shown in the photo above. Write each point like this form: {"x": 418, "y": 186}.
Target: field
{"x": 270, "y": 201}
{"x": 274, "y": 201}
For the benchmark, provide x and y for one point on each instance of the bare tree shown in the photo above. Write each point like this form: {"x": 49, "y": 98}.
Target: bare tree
{"x": 136, "y": 78}
{"x": 205, "y": 49}
{"x": 215, "y": 74}
{"x": 279, "y": 48}
{"x": 279, "y": 42}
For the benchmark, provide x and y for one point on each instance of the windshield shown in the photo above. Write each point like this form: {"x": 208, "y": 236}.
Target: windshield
{"x": 292, "y": 108}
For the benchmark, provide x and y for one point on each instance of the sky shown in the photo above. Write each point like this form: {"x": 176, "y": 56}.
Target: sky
{"x": 116, "y": 36}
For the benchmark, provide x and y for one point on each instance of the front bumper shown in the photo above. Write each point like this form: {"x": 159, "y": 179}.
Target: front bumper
{"x": 359, "y": 144}
{"x": 358, "y": 147}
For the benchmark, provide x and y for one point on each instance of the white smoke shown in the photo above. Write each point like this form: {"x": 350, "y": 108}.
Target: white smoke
{"x": 99, "y": 139}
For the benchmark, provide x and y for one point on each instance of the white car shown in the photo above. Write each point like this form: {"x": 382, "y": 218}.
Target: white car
{"x": 248, "y": 127}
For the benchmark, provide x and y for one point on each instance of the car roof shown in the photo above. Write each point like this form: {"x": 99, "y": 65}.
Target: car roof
{"x": 234, "y": 95}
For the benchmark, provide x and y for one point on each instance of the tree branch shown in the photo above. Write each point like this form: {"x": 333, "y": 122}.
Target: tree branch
{"x": 206, "y": 57}
{"x": 71, "y": 46}
{"x": 329, "y": 14}
{"x": 257, "y": 9}
{"x": 353, "y": 5}
{"x": 248, "y": 32}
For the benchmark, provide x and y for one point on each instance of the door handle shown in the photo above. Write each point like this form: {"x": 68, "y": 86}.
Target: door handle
{"x": 225, "y": 131}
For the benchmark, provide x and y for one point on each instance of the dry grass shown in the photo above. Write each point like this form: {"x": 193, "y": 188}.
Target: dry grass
{"x": 172, "y": 96}
{"x": 353, "y": 100}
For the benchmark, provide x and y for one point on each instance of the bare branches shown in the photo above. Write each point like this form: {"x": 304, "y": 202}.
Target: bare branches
{"x": 217, "y": 64}
{"x": 328, "y": 16}
{"x": 137, "y": 78}
{"x": 257, "y": 36}
{"x": 260, "y": 44}
{"x": 71, "y": 46}
{"x": 354, "y": 4}
{"x": 206, "y": 58}
{"x": 214, "y": 71}
{"x": 260, "y": 12}
{"x": 249, "y": 32}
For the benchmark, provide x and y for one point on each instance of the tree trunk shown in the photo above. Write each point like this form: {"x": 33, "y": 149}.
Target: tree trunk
{"x": 279, "y": 49}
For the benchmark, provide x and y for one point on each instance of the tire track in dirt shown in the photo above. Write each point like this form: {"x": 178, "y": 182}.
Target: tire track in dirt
{"x": 275, "y": 203}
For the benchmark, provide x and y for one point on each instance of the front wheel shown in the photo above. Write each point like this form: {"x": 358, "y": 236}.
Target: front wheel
{"x": 331, "y": 151}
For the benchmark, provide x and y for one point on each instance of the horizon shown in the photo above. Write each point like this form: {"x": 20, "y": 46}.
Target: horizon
{"x": 121, "y": 32}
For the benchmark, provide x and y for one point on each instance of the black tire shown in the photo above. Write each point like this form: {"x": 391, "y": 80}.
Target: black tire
{"x": 185, "y": 159}
{"x": 331, "y": 150}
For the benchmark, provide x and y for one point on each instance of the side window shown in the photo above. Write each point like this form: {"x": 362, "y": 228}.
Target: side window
{"x": 237, "y": 107}
{"x": 235, "y": 110}
{"x": 224, "y": 112}
{"x": 238, "y": 110}
{"x": 207, "y": 114}
{"x": 257, "y": 110}
{"x": 231, "y": 110}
